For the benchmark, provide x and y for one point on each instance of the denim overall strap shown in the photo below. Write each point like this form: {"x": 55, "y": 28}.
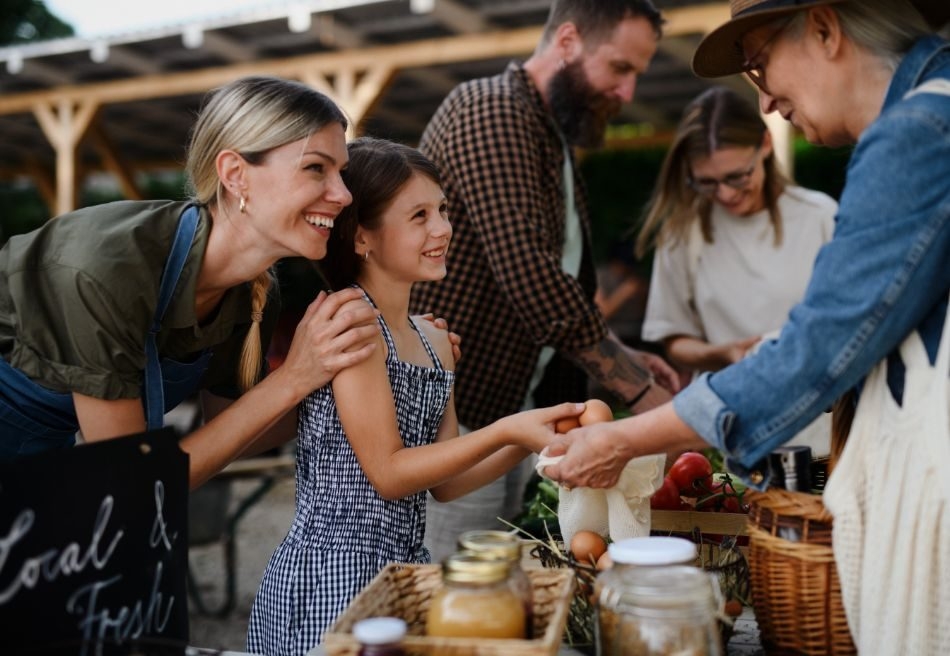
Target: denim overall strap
{"x": 154, "y": 398}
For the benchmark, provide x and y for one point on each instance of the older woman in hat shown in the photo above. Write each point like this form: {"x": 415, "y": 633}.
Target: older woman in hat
{"x": 873, "y": 318}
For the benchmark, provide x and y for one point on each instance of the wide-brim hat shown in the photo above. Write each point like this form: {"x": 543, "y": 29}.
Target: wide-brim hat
{"x": 720, "y": 52}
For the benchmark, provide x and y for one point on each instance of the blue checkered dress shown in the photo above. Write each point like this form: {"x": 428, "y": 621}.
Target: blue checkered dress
{"x": 344, "y": 533}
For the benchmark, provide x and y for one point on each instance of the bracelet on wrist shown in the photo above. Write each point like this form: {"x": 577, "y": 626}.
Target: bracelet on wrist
{"x": 639, "y": 397}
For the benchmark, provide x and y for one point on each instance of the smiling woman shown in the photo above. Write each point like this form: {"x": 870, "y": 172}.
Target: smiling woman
{"x": 116, "y": 313}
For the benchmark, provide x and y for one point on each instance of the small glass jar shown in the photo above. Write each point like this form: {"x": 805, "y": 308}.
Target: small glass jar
{"x": 475, "y": 600}
{"x": 380, "y": 636}
{"x": 499, "y": 544}
{"x": 629, "y": 554}
{"x": 658, "y": 610}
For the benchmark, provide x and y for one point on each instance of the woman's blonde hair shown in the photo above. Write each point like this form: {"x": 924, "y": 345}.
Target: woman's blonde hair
{"x": 718, "y": 118}
{"x": 252, "y": 116}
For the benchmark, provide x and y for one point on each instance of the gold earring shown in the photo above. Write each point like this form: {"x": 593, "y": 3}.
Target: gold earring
{"x": 243, "y": 206}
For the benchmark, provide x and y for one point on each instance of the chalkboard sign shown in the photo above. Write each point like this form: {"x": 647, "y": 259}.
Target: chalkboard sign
{"x": 94, "y": 547}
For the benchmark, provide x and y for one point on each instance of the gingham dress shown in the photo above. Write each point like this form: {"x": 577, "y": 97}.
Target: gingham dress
{"x": 344, "y": 532}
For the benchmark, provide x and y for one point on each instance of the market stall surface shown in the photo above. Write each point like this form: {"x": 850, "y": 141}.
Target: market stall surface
{"x": 259, "y": 531}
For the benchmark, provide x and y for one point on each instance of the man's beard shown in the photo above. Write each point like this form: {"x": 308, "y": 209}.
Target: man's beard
{"x": 580, "y": 112}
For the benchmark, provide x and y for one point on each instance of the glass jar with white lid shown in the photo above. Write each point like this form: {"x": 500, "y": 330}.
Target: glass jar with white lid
{"x": 659, "y": 611}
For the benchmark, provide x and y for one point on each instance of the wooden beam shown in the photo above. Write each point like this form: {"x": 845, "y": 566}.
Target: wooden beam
{"x": 227, "y": 48}
{"x": 43, "y": 181}
{"x": 133, "y": 61}
{"x": 428, "y": 52}
{"x": 697, "y": 19}
{"x": 354, "y": 90}
{"x": 459, "y": 18}
{"x": 112, "y": 162}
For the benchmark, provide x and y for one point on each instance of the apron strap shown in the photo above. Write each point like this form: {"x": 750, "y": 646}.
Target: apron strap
{"x": 154, "y": 397}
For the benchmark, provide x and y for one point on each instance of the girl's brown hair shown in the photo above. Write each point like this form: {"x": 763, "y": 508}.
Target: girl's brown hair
{"x": 377, "y": 171}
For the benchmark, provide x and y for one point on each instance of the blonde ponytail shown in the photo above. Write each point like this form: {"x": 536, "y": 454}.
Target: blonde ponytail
{"x": 249, "y": 369}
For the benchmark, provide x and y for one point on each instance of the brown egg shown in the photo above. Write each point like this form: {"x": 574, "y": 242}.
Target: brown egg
{"x": 566, "y": 424}
{"x": 604, "y": 562}
{"x": 595, "y": 411}
{"x": 588, "y": 547}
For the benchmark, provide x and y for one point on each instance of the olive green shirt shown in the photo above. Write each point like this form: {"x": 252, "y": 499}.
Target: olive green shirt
{"x": 78, "y": 295}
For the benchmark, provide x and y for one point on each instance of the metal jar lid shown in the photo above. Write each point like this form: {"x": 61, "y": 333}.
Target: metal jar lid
{"x": 470, "y": 567}
{"x": 498, "y": 544}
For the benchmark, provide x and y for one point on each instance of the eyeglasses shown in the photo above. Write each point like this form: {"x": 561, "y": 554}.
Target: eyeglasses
{"x": 737, "y": 180}
{"x": 755, "y": 69}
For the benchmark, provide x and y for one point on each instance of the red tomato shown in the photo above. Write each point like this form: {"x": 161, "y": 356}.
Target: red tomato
{"x": 692, "y": 474}
{"x": 667, "y": 497}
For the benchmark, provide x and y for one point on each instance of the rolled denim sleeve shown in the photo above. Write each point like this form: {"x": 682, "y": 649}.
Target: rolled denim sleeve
{"x": 883, "y": 275}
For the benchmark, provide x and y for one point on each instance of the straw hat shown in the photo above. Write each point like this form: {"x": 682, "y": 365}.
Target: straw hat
{"x": 719, "y": 53}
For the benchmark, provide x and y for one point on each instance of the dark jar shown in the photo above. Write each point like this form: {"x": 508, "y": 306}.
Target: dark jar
{"x": 380, "y": 636}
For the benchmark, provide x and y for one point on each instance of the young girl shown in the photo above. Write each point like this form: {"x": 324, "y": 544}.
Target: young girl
{"x": 373, "y": 441}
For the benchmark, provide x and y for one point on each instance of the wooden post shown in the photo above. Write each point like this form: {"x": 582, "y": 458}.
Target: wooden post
{"x": 64, "y": 123}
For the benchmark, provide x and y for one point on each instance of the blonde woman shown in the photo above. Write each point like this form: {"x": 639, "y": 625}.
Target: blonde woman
{"x": 113, "y": 314}
{"x": 735, "y": 240}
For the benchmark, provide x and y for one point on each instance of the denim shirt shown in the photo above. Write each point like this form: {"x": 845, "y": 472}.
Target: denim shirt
{"x": 884, "y": 274}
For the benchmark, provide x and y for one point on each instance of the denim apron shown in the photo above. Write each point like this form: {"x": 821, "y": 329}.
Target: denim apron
{"x": 34, "y": 419}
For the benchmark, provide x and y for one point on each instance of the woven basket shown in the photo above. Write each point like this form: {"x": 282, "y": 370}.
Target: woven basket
{"x": 795, "y": 589}
{"x": 406, "y": 590}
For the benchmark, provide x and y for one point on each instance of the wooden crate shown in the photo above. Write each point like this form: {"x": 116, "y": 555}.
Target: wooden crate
{"x": 713, "y": 523}
{"x": 405, "y": 591}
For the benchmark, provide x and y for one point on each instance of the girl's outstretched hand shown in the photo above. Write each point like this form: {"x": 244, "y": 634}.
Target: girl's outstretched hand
{"x": 337, "y": 331}
{"x": 534, "y": 429}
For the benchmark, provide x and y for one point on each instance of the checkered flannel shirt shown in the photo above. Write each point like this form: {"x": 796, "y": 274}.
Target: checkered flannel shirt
{"x": 505, "y": 293}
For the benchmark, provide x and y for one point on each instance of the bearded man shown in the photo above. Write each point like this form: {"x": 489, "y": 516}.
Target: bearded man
{"x": 521, "y": 280}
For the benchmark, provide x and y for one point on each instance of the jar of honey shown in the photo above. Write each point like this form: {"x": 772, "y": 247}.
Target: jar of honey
{"x": 500, "y": 544}
{"x": 475, "y": 600}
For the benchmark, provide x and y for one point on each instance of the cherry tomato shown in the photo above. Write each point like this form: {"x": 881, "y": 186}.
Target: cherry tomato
{"x": 667, "y": 497}
{"x": 692, "y": 474}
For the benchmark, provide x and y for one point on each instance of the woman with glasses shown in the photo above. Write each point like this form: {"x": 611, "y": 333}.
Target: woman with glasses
{"x": 735, "y": 241}
{"x": 873, "y": 320}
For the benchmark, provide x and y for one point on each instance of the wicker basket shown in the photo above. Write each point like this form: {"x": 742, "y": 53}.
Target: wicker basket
{"x": 406, "y": 590}
{"x": 795, "y": 589}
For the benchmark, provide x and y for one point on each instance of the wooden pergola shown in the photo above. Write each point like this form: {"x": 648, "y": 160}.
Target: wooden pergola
{"x": 124, "y": 104}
